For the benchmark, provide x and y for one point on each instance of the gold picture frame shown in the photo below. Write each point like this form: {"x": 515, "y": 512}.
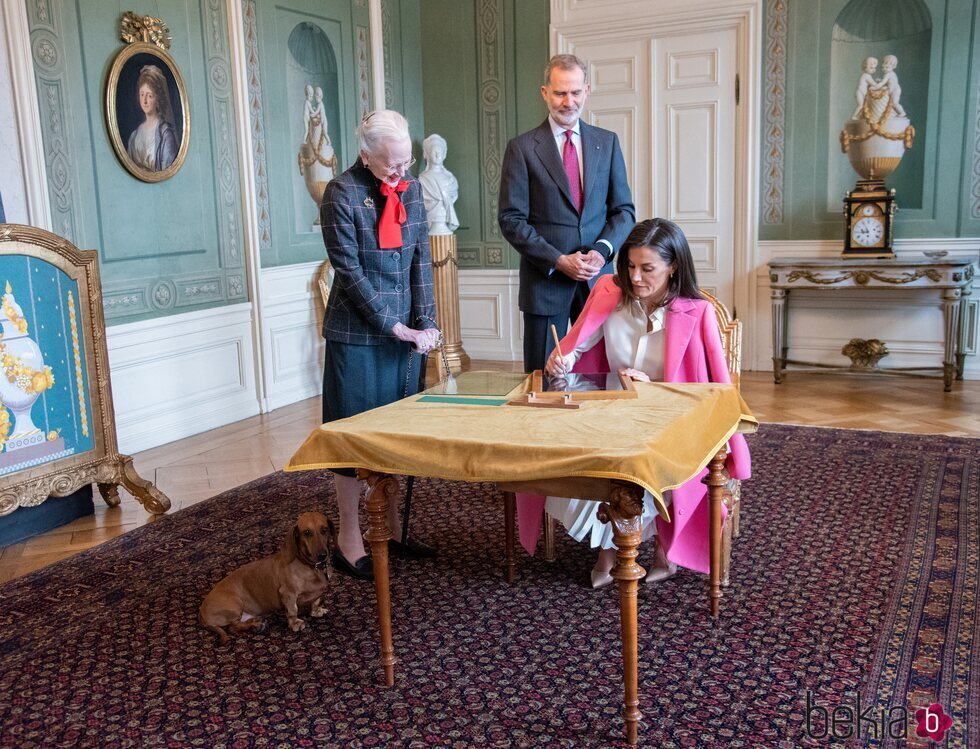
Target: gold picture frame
{"x": 54, "y": 344}
{"x": 150, "y": 154}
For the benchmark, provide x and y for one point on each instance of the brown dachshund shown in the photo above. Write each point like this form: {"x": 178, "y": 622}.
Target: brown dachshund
{"x": 293, "y": 577}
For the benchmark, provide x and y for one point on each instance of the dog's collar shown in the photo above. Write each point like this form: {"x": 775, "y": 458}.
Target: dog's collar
{"x": 318, "y": 566}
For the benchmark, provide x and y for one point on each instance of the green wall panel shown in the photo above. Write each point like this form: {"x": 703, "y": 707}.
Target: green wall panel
{"x": 165, "y": 247}
{"x": 810, "y": 81}
{"x": 482, "y": 62}
{"x": 302, "y": 42}
{"x": 401, "y": 33}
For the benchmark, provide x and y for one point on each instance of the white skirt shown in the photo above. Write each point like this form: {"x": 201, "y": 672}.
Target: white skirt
{"x": 579, "y": 518}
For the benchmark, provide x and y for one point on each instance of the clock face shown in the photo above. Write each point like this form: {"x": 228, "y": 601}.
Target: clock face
{"x": 868, "y": 231}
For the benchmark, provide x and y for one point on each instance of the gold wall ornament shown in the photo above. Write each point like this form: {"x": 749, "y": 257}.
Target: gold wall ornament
{"x": 862, "y": 277}
{"x": 96, "y": 458}
{"x": 865, "y": 354}
{"x": 134, "y": 28}
{"x": 146, "y": 103}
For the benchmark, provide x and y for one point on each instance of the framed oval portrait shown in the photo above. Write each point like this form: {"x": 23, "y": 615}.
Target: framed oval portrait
{"x": 146, "y": 112}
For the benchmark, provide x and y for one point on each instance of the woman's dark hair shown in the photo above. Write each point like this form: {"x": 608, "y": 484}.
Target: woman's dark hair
{"x": 667, "y": 239}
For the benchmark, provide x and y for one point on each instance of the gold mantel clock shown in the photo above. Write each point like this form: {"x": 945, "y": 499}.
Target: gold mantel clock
{"x": 868, "y": 216}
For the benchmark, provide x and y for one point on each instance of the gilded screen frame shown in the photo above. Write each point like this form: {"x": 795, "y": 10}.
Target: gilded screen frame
{"x": 103, "y": 464}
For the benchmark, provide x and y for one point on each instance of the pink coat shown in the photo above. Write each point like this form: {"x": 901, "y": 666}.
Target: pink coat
{"x": 692, "y": 353}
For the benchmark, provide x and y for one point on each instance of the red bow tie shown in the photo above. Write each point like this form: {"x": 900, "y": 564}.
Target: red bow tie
{"x": 392, "y": 216}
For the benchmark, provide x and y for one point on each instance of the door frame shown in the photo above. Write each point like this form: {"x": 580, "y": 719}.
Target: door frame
{"x": 574, "y": 22}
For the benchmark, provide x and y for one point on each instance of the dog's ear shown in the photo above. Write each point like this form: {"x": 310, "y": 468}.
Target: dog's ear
{"x": 290, "y": 544}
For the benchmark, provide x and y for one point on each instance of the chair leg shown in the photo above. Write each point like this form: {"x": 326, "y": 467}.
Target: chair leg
{"x": 726, "y": 539}
{"x": 510, "y": 555}
{"x": 736, "y": 507}
{"x": 549, "y": 538}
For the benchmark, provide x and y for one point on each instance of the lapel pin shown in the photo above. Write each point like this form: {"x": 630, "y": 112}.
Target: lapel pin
{"x": 369, "y": 202}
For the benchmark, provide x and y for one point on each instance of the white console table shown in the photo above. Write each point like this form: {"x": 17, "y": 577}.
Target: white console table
{"x": 954, "y": 278}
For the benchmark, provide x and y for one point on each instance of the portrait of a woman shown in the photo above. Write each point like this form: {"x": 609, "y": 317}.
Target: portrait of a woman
{"x": 153, "y": 144}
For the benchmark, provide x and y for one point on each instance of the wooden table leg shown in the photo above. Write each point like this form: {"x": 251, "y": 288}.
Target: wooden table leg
{"x": 510, "y": 553}
{"x": 381, "y": 489}
{"x": 624, "y": 510}
{"x": 779, "y": 333}
{"x": 951, "y": 335}
{"x": 715, "y": 481}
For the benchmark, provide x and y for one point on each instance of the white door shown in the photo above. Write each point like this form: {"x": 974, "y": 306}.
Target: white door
{"x": 671, "y": 100}
{"x": 694, "y": 149}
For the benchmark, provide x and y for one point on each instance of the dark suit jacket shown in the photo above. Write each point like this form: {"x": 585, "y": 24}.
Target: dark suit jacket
{"x": 538, "y": 218}
{"x": 373, "y": 288}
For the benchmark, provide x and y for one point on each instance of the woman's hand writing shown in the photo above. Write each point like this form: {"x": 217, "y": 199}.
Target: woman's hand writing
{"x": 636, "y": 374}
{"x": 558, "y": 366}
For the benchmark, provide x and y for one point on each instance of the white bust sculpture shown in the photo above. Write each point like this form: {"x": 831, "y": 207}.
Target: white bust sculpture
{"x": 440, "y": 190}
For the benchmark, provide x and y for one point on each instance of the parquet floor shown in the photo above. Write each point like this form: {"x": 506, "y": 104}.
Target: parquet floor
{"x": 193, "y": 469}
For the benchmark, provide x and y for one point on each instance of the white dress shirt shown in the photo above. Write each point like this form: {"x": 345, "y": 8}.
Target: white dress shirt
{"x": 628, "y": 344}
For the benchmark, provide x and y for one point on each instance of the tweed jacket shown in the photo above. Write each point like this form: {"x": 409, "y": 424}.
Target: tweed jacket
{"x": 373, "y": 288}
{"x": 539, "y": 219}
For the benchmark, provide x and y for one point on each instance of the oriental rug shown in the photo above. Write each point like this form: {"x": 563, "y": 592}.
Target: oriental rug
{"x": 853, "y": 604}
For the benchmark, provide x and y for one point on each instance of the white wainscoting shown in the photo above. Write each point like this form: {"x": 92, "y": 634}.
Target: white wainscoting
{"x": 180, "y": 375}
{"x": 292, "y": 346}
{"x": 490, "y": 323}
{"x": 910, "y": 323}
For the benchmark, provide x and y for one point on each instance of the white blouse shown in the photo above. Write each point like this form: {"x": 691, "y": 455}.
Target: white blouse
{"x": 628, "y": 344}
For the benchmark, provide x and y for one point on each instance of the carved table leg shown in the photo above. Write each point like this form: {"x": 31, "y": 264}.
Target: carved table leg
{"x": 381, "y": 490}
{"x": 961, "y": 334}
{"x": 510, "y": 555}
{"x": 715, "y": 481}
{"x": 779, "y": 343}
{"x": 951, "y": 336}
{"x": 623, "y": 510}
{"x": 726, "y": 536}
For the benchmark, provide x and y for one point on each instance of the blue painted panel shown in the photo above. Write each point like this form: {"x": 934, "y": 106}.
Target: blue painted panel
{"x": 46, "y": 411}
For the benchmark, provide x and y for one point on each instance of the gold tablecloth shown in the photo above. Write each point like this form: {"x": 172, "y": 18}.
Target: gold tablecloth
{"x": 658, "y": 440}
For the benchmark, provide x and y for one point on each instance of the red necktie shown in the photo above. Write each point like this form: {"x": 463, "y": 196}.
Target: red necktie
{"x": 569, "y": 158}
{"x": 392, "y": 216}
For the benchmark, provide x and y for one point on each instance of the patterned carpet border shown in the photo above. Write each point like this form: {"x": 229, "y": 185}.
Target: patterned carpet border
{"x": 854, "y": 582}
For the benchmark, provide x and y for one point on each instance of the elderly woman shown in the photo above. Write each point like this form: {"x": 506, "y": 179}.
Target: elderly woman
{"x": 153, "y": 145}
{"x": 381, "y": 307}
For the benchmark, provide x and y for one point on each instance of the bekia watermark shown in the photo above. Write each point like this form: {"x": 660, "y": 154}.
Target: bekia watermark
{"x": 857, "y": 719}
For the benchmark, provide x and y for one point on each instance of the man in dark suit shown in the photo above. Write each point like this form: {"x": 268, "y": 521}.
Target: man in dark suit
{"x": 565, "y": 206}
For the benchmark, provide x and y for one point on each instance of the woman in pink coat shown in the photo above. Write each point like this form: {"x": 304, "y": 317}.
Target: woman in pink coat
{"x": 650, "y": 320}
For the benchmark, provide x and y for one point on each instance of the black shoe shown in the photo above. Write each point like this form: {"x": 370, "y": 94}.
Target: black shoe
{"x": 411, "y": 549}
{"x": 362, "y": 569}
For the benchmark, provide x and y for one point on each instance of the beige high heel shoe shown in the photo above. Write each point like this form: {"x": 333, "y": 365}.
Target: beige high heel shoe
{"x": 602, "y": 578}
{"x": 661, "y": 569}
